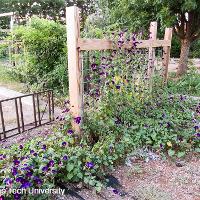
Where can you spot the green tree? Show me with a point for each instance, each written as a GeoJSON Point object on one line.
{"type": "Point", "coordinates": [45, 8]}
{"type": "Point", "coordinates": [183, 15]}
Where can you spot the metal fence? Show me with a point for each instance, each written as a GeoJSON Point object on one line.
{"type": "Point", "coordinates": [23, 113]}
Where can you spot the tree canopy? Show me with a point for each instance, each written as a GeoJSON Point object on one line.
{"type": "Point", "coordinates": [44, 8]}
{"type": "Point", "coordinates": [182, 15]}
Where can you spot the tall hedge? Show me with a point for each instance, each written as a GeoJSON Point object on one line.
{"type": "Point", "coordinates": [44, 62]}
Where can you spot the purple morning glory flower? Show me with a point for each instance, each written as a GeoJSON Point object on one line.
{"type": "Point", "coordinates": [22, 158]}
{"type": "Point", "coordinates": [44, 147]}
{"type": "Point", "coordinates": [118, 121]}
{"type": "Point", "coordinates": [54, 171]}
{"type": "Point", "coordinates": [118, 87]}
{"type": "Point", "coordinates": [17, 196]}
{"type": "Point", "coordinates": [65, 157]}
{"type": "Point", "coordinates": [32, 151]}
{"type": "Point", "coordinates": [2, 197]}
{"type": "Point", "coordinates": [198, 134]}
{"type": "Point", "coordinates": [20, 146]}
{"type": "Point", "coordinates": [45, 168]}
{"type": "Point", "coordinates": [35, 154]}
{"type": "Point", "coordinates": [94, 66]}
{"type": "Point", "coordinates": [26, 185]}
{"type": "Point", "coordinates": [19, 179]}
{"type": "Point", "coordinates": [180, 138]}
{"type": "Point", "coordinates": [64, 143]}
{"type": "Point", "coordinates": [196, 127]}
{"type": "Point", "coordinates": [161, 146]}
{"type": "Point", "coordinates": [1, 157]}
{"type": "Point", "coordinates": [115, 191]}
{"type": "Point", "coordinates": [38, 181]}
{"type": "Point", "coordinates": [194, 120]}
{"type": "Point", "coordinates": [8, 181]}
{"type": "Point", "coordinates": [29, 174]}
{"type": "Point", "coordinates": [51, 163]}
{"type": "Point", "coordinates": [89, 165]}
{"type": "Point", "coordinates": [182, 98]}
{"type": "Point", "coordinates": [168, 124]}
{"type": "Point", "coordinates": [70, 131]}
{"type": "Point", "coordinates": [16, 162]}
{"type": "Point", "coordinates": [77, 120]}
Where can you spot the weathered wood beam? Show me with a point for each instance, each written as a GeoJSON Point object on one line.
{"type": "Point", "coordinates": [6, 14]}
{"type": "Point", "coordinates": [74, 65]}
{"type": "Point", "coordinates": [153, 37]}
{"type": "Point", "coordinates": [166, 55]}
{"type": "Point", "coordinates": [104, 44]}
{"type": "Point", "coordinates": [5, 30]}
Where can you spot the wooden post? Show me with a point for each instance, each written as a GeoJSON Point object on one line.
{"type": "Point", "coordinates": [166, 54]}
{"type": "Point", "coordinates": [74, 66]}
{"type": "Point", "coordinates": [153, 36]}
{"type": "Point", "coordinates": [12, 51]}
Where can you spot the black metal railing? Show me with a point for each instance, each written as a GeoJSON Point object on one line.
{"type": "Point", "coordinates": [41, 108]}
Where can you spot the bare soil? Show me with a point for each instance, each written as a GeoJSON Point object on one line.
{"type": "Point", "coordinates": [155, 180]}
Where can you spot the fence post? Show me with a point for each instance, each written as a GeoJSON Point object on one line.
{"type": "Point", "coordinates": [151, 61]}
{"type": "Point", "coordinates": [74, 66]}
{"type": "Point", "coordinates": [166, 54]}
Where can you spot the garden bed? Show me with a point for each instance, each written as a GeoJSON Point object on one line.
{"type": "Point", "coordinates": [166, 124]}
{"type": "Point", "coordinates": [154, 180]}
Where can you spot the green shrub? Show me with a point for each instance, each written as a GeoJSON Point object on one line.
{"type": "Point", "coordinates": [176, 47]}
{"type": "Point", "coordinates": [189, 84]}
{"type": "Point", "coordinates": [195, 49]}
{"type": "Point", "coordinates": [44, 62]}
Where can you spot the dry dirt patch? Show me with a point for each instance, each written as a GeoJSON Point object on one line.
{"type": "Point", "coordinates": [155, 180]}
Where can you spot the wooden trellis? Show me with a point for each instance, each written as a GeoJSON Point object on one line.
{"type": "Point", "coordinates": [76, 44]}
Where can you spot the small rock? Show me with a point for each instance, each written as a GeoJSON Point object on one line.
{"type": "Point", "coordinates": [80, 185]}
{"type": "Point", "coordinates": [180, 163]}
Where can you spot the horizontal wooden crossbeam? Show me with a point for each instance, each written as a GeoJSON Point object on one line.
{"type": "Point", "coordinates": [4, 42]}
{"type": "Point", "coordinates": [10, 41]}
{"type": "Point", "coordinates": [103, 44]}
{"type": "Point", "coordinates": [5, 30]}
{"type": "Point", "coordinates": [6, 14]}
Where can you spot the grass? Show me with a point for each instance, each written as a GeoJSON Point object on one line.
{"type": "Point", "coordinates": [6, 79]}
{"type": "Point", "coordinates": [189, 84]}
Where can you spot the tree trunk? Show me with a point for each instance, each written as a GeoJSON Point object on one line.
{"type": "Point", "coordinates": [182, 66]}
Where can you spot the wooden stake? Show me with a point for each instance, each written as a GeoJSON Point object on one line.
{"type": "Point", "coordinates": [74, 66]}
{"type": "Point", "coordinates": [153, 36]}
{"type": "Point", "coordinates": [166, 54]}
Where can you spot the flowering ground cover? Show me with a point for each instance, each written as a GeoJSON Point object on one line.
{"type": "Point", "coordinates": [169, 124]}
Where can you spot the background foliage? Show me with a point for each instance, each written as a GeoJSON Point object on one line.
{"type": "Point", "coordinates": [44, 63]}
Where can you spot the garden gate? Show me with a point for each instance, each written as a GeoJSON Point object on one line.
{"type": "Point", "coordinates": [77, 45]}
